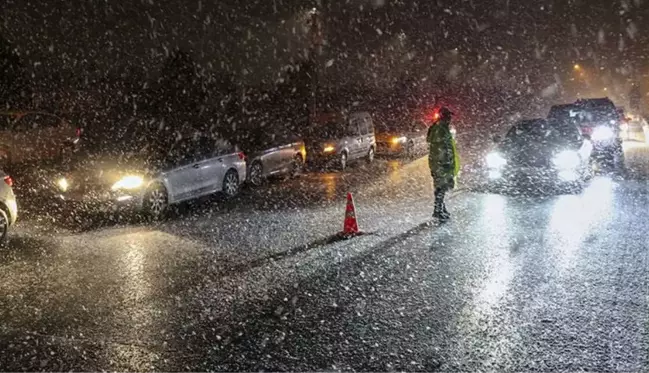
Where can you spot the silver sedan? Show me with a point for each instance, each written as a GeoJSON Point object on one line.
{"type": "Point", "coordinates": [276, 158]}
{"type": "Point", "coordinates": [191, 168]}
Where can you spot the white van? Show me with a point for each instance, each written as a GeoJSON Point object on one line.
{"type": "Point", "coordinates": [337, 140]}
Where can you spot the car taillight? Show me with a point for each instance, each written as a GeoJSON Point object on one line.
{"type": "Point", "coordinates": [241, 155]}
{"type": "Point", "coordinates": [9, 181]}
{"type": "Point", "coordinates": [78, 132]}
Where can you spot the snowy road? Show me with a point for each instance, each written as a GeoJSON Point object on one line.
{"type": "Point", "coordinates": [512, 283]}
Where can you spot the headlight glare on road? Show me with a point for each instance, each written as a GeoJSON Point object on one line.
{"type": "Point", "coordinates": [602, 134]}
{"type": "Point", "coordinates": [567, 160]}
{"type": "Point", "coordinates": [399, 140]}
{"type": "Point", "coordinates": [495, 160]}
{"type": "Point", "coordinates": [63, 184]}
{"type": "Point", "coordinates": [328, 149]}
{"type": "Point", "coordinates": [128, 182]}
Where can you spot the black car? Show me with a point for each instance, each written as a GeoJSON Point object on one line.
{"type": "Point", "coordinates": [538, 153]}
{"type": "Point", "coordinates": [599, 120]}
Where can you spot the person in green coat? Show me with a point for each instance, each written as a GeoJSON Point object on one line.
{"type": "Point", "coordinates": [443, 161]}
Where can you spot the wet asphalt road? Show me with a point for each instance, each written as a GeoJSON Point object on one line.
{"type": "Point", "coordinates": [533, 283]}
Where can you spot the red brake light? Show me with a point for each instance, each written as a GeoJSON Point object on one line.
{"type": "Point", "coordinates": [78, 132]}
{"type": "Point", "coordinates": [241, 155]}
{"type": "Point", "coordinates": [8, 180]}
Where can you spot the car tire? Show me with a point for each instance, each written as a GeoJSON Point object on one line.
{"type": "Point", "coordinates": [4, 228]}
{"type": "Point", "coordinates": [256, 172]}
{"type": "Point", "coordinates": [297, 166]}
{"type": "Point", "coordinates": [156, 201]}
{"type": "Point", "coordinates": [342, 161]}
{"type": "Point", "coordinates": [370, 155]}
{"type": "Point", "coordinates": [231, 184]}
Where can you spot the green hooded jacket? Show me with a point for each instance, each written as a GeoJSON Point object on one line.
{"type": "Point", "coordinates": [443, 158]}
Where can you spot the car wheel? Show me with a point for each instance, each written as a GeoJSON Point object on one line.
{"type": "Point", "coordinates": [342, 165]}
{"type": "Point", "coordinates": [256, 171]}
{"type": "Point", "coordinates": [156, 201]}
{"type": "Point", "coordinates": [231, 183]}
{"type": "Point", "coordinates": [370, 155]}
{"type": "Point", "coordinates": [4, 228]}
{"type": "Point", "coordinates": [297, 166]}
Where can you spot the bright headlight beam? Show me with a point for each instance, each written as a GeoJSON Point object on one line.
{"type": "Point", "coordinates": [399, 140]}
{"type": "Point", "coordinates": [63, 184]}
{"type": "Point", "coordinates": [602, 134]}
{"type": "Point", "coordinates": [567, 160]}
{"type": "Point", "coordinates": [329, 149]}
{"type": "Point", "coordinates": [128, 182]}
{"type": "Point", "coordinates": [495, 160]}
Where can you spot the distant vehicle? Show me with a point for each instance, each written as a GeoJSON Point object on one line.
{"type": "Point", "coordinates": [599, 120]}
{"type": "Point", "coordinates": [35, 137]}
{"type": "Point", "coordinates": [337, 140]}
{"type": "Point", "coordinates": [407, 137]}
{"type": "Point", "coordinates": [538, 153]}
{"type": "Point", "coordinates": [8, 207]}
{"type": "Point", "coordinates": [273, 157]}
{"type": "Point", "coordinates": [151, 178]}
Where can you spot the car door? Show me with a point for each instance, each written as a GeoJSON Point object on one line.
{"type": "Point", "coordinates": [209, 165]}
{"type": "Point", "coordinates": [273, 156]}
{"type": "Point", "coordinates": [288, 150]}
{"type": "Point", "coordinates": [354, 137]}
{"type": "Point", "coordinates": [370, 138]}
{"type": "Point", "coordinates": [184, 178]}
{"type": "Point", "coordinates": [215, 167]}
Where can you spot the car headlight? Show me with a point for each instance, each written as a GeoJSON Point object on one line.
{"type": "Point", "coordinates": [128, 182]}
{"type": "Point", "coordinates": [63, 184]}
{"type": "Point", "coordinates": [328, 149]}
{"type": "Point", "coordinates": [495, 160]}
{"type": "Point", "coordinates": [399, 140]}
{"type": "Point", "coordinates": [602, 134]}
{"type": "Point", "coordinates": [567, 160]}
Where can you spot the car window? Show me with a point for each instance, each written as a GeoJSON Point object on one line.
{"type": "Point", "coordinates": [354, 127]}
{"type": "Point", "coordinates": [369, 128]}
{"type": "Point", "coordinates": [35, 121]}
{"type": "Point", "coordinates": [222, 147]}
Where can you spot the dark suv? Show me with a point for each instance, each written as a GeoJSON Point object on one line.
{"type": "Point", "coordinates": [599, 120]}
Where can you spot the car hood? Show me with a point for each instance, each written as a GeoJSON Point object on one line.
{"type": "Point", "coordinates": [103, 172]}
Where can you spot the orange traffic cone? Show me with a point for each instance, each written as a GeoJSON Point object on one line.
{"type": "Point", "coordinates": [351, 225]}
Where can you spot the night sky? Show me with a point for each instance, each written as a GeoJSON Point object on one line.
{"type": "Point", "coordinates": [476, 39]}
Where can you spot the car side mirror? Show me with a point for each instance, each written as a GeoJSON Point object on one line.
{"type": "Point", "coordinates": [496, 138]}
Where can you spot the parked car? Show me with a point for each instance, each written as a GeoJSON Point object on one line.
{"type": "Point", "coordinates": [536, 153]}
{"type": "Point", "coordinates": [401, 137]}
{"type": "Point", "coordinates": [8, 207]}
{"type": "Point", "coordinates": [336, 140]}
{"type": "Point", "coordinates": [274, 155]}
{"type": "Point", "coordinates": [34, 137]}
{"type": "Point", "coordinates": [599, 120]}
{"type": "Point", "coordinates": [150, 178]}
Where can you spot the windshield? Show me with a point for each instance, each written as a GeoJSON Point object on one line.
{"type": "Point", "coordinates": [535, 132]}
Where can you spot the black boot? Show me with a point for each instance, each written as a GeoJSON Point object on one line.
{"type": "Point", "coordinates": [445, 213]}
{"type": "Point", "coordinates": [439, 211]}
